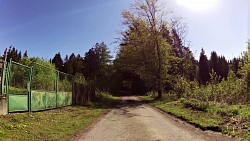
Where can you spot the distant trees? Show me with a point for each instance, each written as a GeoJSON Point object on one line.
{"type": "Point", "coordinates": [94, 66]}
{"type": "Point", "coordinates": [234, 65]}
{"type": "Point", "coordinates": [219, 65]}
{"type": "Point", "coordinates": [13, 53]}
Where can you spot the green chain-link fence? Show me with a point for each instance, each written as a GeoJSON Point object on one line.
{"type": "Point", "coordinates": [18, 90]}
{"type": "Point", "coordinates": [36, 88]}
{"type": "Point", "coordinates": [43, 95]}
{"type": "Point", "coordinates": [64, 92]}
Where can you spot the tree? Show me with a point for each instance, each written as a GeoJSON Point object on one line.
{"type": "Point", "coordinates": [203, 71]}
{"type": "Point", "coordinates": [143, 49]}
{"type": "Point", "coordinates": [78, 64]}
{"type": "Point", "coordinates": [184, 63]}
{"type": "Point", "coordinates": [25, 54]}
{"type": "Point", "coordinates": [70, 68]}
{"type": "Point", "coordinates": [97, 64]}
{"type": "Point", "coordinates": [65, 64]}
{"type": "Point", "coordinates": [223, 67]}
{"type": "Point", "coordinates": [57, 60]}
{"type": "Point", "coordinates": [245, 70]}
{"type": "Point", "coordinates": [234, 65]}
{"type": "Point", "coordinates": [214, 64]}
{"type": "Point", "coordinates": [12, 53]}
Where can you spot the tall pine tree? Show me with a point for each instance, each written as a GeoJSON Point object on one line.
{"type": "Point", "coordinates": [57, 60]}
{"type": "Point", "coordinates": [203, 71]}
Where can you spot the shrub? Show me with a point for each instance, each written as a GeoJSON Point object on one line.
{"type": "Point", "coordinates": [195, 104]}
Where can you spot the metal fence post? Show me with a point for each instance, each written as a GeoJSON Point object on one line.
{"type": "Point", "coordinates": [29, 89]}
{"type": "Point", "coordinates": [57, 88]}
{"type": "Point", "coordinates": [3, 90]}
{"type": "Point", "coordinates": [7, 84]}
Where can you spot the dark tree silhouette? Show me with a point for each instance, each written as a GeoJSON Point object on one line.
{"type": "Point", "coordinates": [57, 60]}
{"type": "Point", "coordinates": [203, 72]}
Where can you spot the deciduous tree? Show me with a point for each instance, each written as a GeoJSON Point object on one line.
{"type": "Point", "coordinates": [144, 51]}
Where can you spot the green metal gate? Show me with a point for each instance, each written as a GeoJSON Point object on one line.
{"type": "Point", "coordinates": [18, 86]}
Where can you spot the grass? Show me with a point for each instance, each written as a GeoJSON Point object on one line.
{"type": "Point", "coordinates": [233, 120]}
{"type": "Point", "coordinates": [57, 124]}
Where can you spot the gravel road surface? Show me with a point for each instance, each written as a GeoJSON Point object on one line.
{"type": "Point", "coordinates": [135, 121]}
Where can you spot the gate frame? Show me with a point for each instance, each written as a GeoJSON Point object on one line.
{"type": "Point", "coordinates": [9, 66]}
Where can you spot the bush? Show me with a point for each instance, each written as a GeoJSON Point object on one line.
{"type": "Point", "coordinates": [13, 90]}
{"type": "Point", "coordinates": [227, 111]}
{"type": "Point", "coordinates": [195, 104]}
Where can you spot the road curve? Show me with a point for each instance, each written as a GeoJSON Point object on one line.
{"type": "Point", "coordinates": [135, 121]}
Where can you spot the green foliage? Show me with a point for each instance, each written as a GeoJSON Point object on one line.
{"type": "Point", "coordinates": [14, 90]}
{"type": "Point", "coordinates": [44, 75]}
{"type": "Point", "coordinates": [180, 88]}
{"type": "Point", "coordinates": [79, 78]}
{"type": "Point", "coordinates": [97, 65]}
{"type": "Point", "coordinates": [65, 82]}
{"type": "Point", "coordinates": [195, 104]}
{"type": "Point", "coordinates": [143, 49]}
{"type": "Point", "coordinates": [231, 91]}
{"type": "Point", "coordinates": [196, 117]}
{"type": "Point", "coordinates": [19, 76]}
{"type": "Point", "coordinates": [228, 119]}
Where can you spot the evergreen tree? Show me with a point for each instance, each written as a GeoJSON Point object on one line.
{"type": "Point", "coordinates": [203, 71]}
{"type": "Point", "coordinates": [25, 54]}
{"type": "Point", "coordinates": [70, 67]}
{"type": "Point", "coordinates": [65, 64]}
{"type": "Point", "coordinates": [19, 56]}
{"type": "Point", "coordinates": [78, 65]}
{"type": "Point", "coordinates": [12, 52]}
{"type": "Point", "coordinates": [96, 65]}
{"type": "Point", "coordinates": [57, 60]}
{"type": "Point", "coordinates": [223, 67]}
{"type": "Point", "coordinates": [214, 64]}
{"type": "Point", "coordinates": [234, 65]}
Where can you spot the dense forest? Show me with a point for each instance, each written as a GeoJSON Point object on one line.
{"type": "Point", "coordinates": [152, 57]}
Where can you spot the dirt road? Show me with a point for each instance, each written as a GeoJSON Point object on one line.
{"type": "Point", "coordinates": [135, 121]}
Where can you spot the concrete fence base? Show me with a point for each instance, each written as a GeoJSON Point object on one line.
{"type": "Point", "coordinates": [3, 106]}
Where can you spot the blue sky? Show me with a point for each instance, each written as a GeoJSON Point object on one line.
{"type": "Point", "coordinates": [45, 27]}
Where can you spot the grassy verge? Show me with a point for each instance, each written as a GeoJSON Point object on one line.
{"type": "Point", "coordinates": [233, 120]}
{"type": "Point", "coordinates": [57, 124]}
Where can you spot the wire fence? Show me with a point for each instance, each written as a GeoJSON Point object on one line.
{"type": "Point", "coordinates": [36, 87]}
{"type": "Point", "coordinates": [18, 91]}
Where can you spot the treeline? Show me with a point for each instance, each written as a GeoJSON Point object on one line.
{"type": "Point", "coordinates": [218, 64]}
{"type": "Point", "coordinates": [94, 67]}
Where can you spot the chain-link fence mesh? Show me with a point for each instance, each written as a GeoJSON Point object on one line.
{"type": "Point", "coordinates": [35, 88]}
{"type": "Point", "coordinates": [64, 89]}
{"type": "Point", "coordinates": [43, 86]}
{"type": "Point", "coordinates": [18, 86]}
